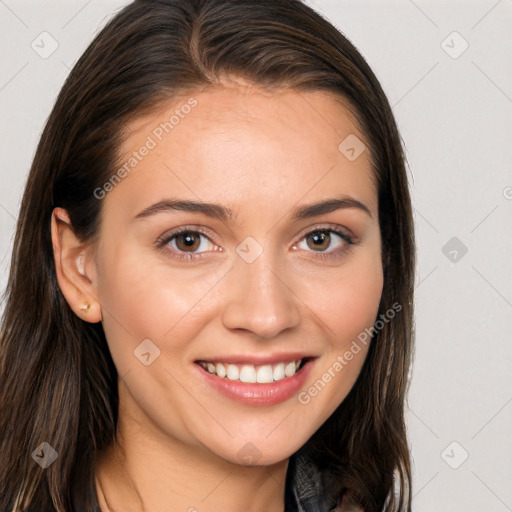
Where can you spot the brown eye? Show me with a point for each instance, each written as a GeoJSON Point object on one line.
{"type": "Point", "coordinates": [320, 240]}
{"type": "Point", "coordinates": [189, 241]}
{"type": "Point", "coordinates": [326, 243]}
{"type": "Point", "coordinates": [187, 244]}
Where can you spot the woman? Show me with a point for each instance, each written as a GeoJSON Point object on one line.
{"type": "Point", "coordinates": [210, 296]}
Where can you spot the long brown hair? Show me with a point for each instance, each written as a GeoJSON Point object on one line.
{"type": "Point", "coordinates": [58, 383]}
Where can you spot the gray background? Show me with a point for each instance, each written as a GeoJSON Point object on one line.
{"type": "Point", "coordinates": [454, 111]}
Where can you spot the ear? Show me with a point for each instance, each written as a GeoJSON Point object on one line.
{"type": "Point", "coordinates": [75, 268]}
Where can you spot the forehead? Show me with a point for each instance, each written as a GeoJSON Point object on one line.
{"type": "Point", "coordinates": [233, 105]}
{"type": "Point", "coordinates": [232, 141]}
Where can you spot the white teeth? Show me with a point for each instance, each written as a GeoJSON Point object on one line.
{"type": "Point", "coordinates": [279, 372]}
{"type": "Point", "coordinates": [264, 374]}
{"type": "Point", "coordinates": [221, 370]}
{"type": "Point", "coordinates": [249, 373]}
{"type": "Point", "coordinates": [232, 372]}
{"type": "Point", "coordinates": [289, 369]}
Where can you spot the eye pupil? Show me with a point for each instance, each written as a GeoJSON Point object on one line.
{"type": "Point", "coordinates": [189, 240]}
{"type": "Point", "coordinates": [320, 238]}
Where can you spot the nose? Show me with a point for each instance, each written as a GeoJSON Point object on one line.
{"type": "Point", "coordinates": [259, 299]}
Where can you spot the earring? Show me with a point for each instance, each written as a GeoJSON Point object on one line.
{"type": "Point", "coordinates": [84, 308]}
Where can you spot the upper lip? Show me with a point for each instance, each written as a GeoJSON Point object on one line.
{"type": "Point", "coordinates": [257, 360]}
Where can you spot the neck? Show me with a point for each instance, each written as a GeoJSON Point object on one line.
{"type": "Point", "coordinates": [143, 470]}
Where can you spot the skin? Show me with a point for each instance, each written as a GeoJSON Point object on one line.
{"type": "Point", "coordinates": [261, 154]}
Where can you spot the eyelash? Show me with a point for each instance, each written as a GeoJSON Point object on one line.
{"type": "Point", "coordinates": [161, 243]}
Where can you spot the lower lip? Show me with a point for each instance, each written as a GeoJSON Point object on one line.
{"type": "Point", "coordinates": [257, 394]}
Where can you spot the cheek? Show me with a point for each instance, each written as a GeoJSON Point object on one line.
{"type": "Point", "coordinates": [354, 308]}
{"type": "Point", "coordinates": [142, 301]}
{"type": "Point", "coordinates": [348, 309]}
{"type": "Point", "coordinates": [349, 302]}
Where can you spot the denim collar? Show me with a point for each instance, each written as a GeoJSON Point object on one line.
{"type": "Point", "coordinates": [307, 488]}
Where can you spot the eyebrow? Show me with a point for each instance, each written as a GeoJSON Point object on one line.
{"type": "Point", "coordinates": [223, 213]}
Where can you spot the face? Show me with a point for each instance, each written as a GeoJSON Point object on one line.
{"type": "Point", "coordinates": [258, 286]}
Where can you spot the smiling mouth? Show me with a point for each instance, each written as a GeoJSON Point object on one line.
{"type": "Point", "coordinates": [261, 374]}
